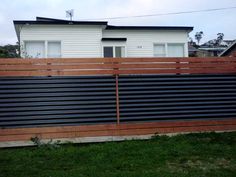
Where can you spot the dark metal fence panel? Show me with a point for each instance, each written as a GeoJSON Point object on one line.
{"type": "Point", "coordinates": [45, 101]}
{"type": "Point", "coordinates": [177, 97]}
{"type": "Point", "coordinates": [79, 100]}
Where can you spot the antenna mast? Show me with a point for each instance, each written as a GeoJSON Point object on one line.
{"type": "Point", "coordinates": [70, 14]}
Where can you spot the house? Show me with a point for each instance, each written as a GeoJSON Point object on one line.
{"type": "Point", "coordinates": [230, 51]}
{"type": "Point", "coordinates": [212, 48]}
{"type": "Point", "coordinates": [192, 50]}
{"type": "Point", "coordinates": [210, 51]}
{"type": "Point", "coordinates": [55, 38]}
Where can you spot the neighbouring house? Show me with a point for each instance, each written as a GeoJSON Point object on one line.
{"type": "Point", "coordinates": [230, 51]}
{"type": "Point", "coordinates": [211, 49]}
{"type": "Point", "coordinates": [55, 38]}
{"type": "Point", "coordinates": [192, 50]}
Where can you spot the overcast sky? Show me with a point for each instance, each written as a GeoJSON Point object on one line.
{"type": "Point", "coordinates": [210, 23]}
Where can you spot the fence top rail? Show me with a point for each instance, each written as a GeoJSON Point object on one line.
{"type": "Point", "coordinates": [113, 66]}
{"type": "Point", "coordinates": [120, 60]}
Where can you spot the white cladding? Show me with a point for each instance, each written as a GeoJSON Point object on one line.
{"type": "Point", "coordinates": [85, 40]}
{"type": "Point", "coordinates": [76, 40]}
{"type": "Point", "coordinates": [140, 43]}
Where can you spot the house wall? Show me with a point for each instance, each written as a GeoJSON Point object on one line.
{"type": "Point", "coordinates": [76, 41]}
{"type": "Point", "coordinates": [140, 42]}
{"type": "Point", "coordinates": [85, 40]}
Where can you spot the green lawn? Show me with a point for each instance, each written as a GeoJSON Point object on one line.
{"type": "Point", "coordinates": [193, 155]}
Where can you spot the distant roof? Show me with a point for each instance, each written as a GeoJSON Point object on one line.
{"type": "Point", "coordinates": [227, 50]}
{"type": "Point", "coordinates": [53, 21]}
{"type": "Point", "coordinates": [212, 48]}
{"type": "Point", "coordinates": [192, 48]}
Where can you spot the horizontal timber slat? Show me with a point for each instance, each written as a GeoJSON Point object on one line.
{"type": "Point", "coordinates": [18, 134]}
{"type": "Point", "coordinates": [115, 66]}
{"type": "Point", "coordinates": [98, 60]}
{"type": "Point", "coordinates": [111, 66]}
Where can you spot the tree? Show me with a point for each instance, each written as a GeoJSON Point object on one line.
{"type": "Point", "coordinates": [219, 39]}
{"type": "Point", "coordinates": [198, 36]}
{"type": "Point", "coordinates": [9, 51]}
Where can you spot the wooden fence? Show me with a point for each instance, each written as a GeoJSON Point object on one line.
{"type": "Point", "coordinates": [113, 66]}
{"type": "Point", "coordinates": [117, 97]}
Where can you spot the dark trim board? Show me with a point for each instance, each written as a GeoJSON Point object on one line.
{"type": "Point", "coordinates": [62, 22]}
{"type": "Point", "coordinates": [114, 39]}
{"type": "Point", "coordinates": [110, 27]}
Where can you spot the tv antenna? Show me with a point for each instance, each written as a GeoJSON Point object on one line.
{"type": "Point", "coordinates": [70, 14]}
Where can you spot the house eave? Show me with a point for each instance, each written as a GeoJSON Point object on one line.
{"type": "Point", "coordinates": [32, 22]}
{"type": "Point", "coordinates": [185, 28]}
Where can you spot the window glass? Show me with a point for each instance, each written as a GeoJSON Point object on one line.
{"type": "Point", "coordinates": [159, 50]}
{"type": "Point", "coordinates": [120, 52]}
{"type": "Point", "coordinates": [54, 49]}
{"type": "Point", "coordinates": [34, 49]}
{"type": "Point", "coordinates": [108, 51]}
{"type": "Point", "coordinates": [175, 50]}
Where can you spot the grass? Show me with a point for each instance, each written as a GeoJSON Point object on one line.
{"type": "Point", "coordinates": [194, 155]}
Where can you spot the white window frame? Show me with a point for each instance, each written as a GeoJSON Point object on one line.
{"type": "Point", "coordinates": [175, 43]}
{"type": "Point", "coordinates": [24, 47]}
{"type": "Point", "coordinates": [113, 48]}
{"type": "Point", "coordinates": [45, 46]}
{"type": "Point", "coordinates": [166, 47]}
{"type": "Point", "coordinates": [165, 44]}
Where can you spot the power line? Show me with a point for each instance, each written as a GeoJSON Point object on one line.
{"type": "Point", "coordinates": [163, 14]}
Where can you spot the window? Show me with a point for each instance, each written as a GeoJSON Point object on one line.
{"type": "Point", "coordinates": [114, 51]}
{"type": "Point", "coordinates": [34, 49]}
{"type": "Point", "coordinates": [108, 51]}
{"type": "Point", "coordinates": [168, 50]}
{"type": "Point", "coordinates": [119, 52]}
{"type": "Point", "coordinates": [159, 50]}
{"type": "Point", "coordinates": [54, 49]}
{"type": "Point", "coordinates": [175, 50]}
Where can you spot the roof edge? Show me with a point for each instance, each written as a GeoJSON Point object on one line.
{"type": "Point", "coordinates": [111, 27]}
{"type": "Point", "coordinates": [227, 49]}
{"type": "Point", "coordinates": [57, 22]}
{"type": "Point", "coordinates": [48, 19]}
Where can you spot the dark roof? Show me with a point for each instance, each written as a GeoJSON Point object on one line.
{"type": "Point", "coordinates": [229, 49]}
{"type": "Point", "coordinates": [110, 27]}
{"type": "Point", "coordinates": [48, 19]}
{"type": "Point", "coordinates": [114, 39]}
{"type": "Point", "coordinates": [52, 21]}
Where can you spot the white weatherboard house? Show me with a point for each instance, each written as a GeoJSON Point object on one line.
{"type": "Point", "coordinates": [55, 38]}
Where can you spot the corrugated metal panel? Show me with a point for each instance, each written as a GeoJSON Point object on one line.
{"type": "Point", "coordinates": [43, 101]}
{"type": "Point", "coordinates": [177, 97]}
{"type": "Point", "coordinates": [53, 101]}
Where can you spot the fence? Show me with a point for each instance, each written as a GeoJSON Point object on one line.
{"type": "Point", "coordinates": [69, 98]}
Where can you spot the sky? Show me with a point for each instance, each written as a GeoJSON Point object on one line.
{"type": "Point", "coordinates": [210, 23]}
